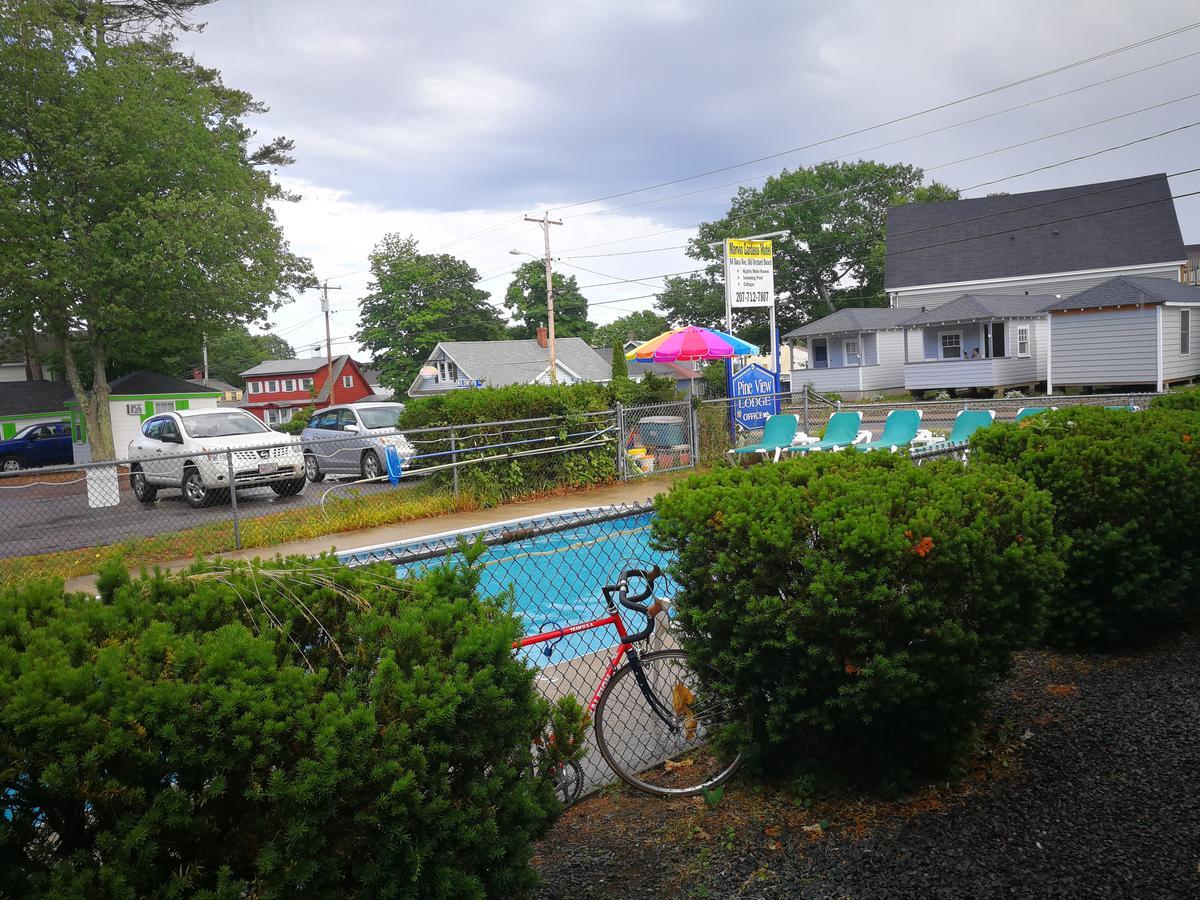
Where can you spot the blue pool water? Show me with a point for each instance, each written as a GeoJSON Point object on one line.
{"type": "Point", "coordinates": [557, 579]}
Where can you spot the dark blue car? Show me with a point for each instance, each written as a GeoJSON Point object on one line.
{"type": "Point", "coordinates": [37, 445]}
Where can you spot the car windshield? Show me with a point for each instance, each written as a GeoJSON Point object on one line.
{"type": "Point", "coordinates": [222, 424]}
{"type": "Point", "coordinates": [380, 416]}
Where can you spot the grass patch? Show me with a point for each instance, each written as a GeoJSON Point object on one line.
{"type": "Point", "coordinates": [339, 515]}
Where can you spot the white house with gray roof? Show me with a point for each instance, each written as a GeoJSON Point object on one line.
{"type": "Point", "coordinates": [454, 365]}
{"type": "Point", "coordinates": [855, 352]}
{"type": "Point", "coordinates": [1130, 330]}
{"type": "Point", "coordinates": [1058, 242]}
{"type": "Point", "coordinates": [991, 341]}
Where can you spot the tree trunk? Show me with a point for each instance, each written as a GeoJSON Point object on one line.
{"type": "Point", "coordinates": [92, 404]}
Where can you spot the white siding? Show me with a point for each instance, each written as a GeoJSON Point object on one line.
{"type": "Point", "coordinates": [889, 373]}
{"type": "Point", "coordinates": [125, 426]}
{"type": "Point", "coordinates": [1117, 347]}
{"type": "Point", "coordinates": [839, 379]}
{"type": "Point", "coordinates": [1178, 367]}
{"type": "Point", "coordinates": [1066, 285]}
{"type": "Point", "coordinates": [965, 373]}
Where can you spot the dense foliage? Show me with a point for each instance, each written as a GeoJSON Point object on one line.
{"type": "Point", "coordinates": [525, 299]}
{"type": "Point", "coordinates": [1126, 488]}
{"type": "Point", "coordinates": [295, 729]}
{"type": "Point", "coordinates": [620, 365]}
{"type": "Point", "coordinates": [298, 422]}
{"type": "Point", "coordinates": [1185, 399]}
{"type": "Point", "coordinates": [861, 605]}
{"type": "Point", "coordinates": [416, 301]}
{"type": "Point", "coordinates": [565, 407]}
{"type": "Point", "coordinates": [636, 326]}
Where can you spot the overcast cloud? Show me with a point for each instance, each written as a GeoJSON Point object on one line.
{"type": "Point", "coordinates": [445, 120]}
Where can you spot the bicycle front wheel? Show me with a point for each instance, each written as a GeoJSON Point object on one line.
{"type": "Point", "coordinates": [656, 720]}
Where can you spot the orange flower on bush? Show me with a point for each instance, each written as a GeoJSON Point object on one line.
{"type": "Point", "coordinates": [1020, 538]}
{"type": "Point", "coordinates": [923, 547]}
{"type": "Point", "coordinates": [908, 534]}
{"type": "Point", "coordinates": [850, 668]}
{"type": "Point", "coordinates": [1187, 438]}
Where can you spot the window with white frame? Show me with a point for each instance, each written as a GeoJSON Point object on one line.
{"type": "Point", "coordinates": [951, 344]}
{"type": "Point", "coordinates": [254, 387]}
{"type": "Point", "coordinates": [272, 387]}
{"type": "Point", "coordinates": [820, 353]}
{"type": "Point", "coordinates": [289, 384]}
{"type": "Point", "coordinates": [850, 349]}
{"type": "Point", "coordinates": [306, 384]}
{"type": "Point", "coordinates": [161, 406]}
{"type": "Point", "coordinates": [1023, 340]}
{"type": "Point", "coordinates": [1185, 332]}
{"type": "Point", "coordinates": [348, 381]}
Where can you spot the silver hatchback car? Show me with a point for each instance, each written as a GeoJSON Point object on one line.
{"type": "Point", "coordinates": [352, 439]}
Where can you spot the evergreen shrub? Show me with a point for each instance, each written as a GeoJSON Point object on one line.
{"type": "Point", "coordinates": [295, 729]}
{"type": "Point", "coordinates": [861, 605]}
{"type": "Point", "coordinates": [1126, 489]}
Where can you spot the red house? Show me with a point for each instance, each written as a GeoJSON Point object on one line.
{"type": "Point", "coordinates": [275, 389]}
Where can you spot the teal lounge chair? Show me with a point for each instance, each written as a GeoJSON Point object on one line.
{"type": "Point", "coordinates": [1026, 411]}
{"type": "Point", "coordinates": [777, 436]}
{"type": "Point", "coordinates": [966, 423]}
{"type": "Point", "coordinates": [898, 431]}
{"type": "Point", "coordinates": [841, 431]}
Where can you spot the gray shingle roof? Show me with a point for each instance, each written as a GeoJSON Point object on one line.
{"type": "Point", "coordinates": [290, 366]}
{"type": "Point", "coordinates": [972, 307]}
{"type": "Point", "coordinates": [497, 363]}
{"type": "Point", "coordinates": [871, 318]}
{"type": "Point", "coordinates": [1090, 226]}
{"type": "Point", "coordinates": [214, 384]}
{"type": "Point", "coordinates": [19, 398]}
{"type": "Point", "coordinates": [1125, 290]}
{"type": "Point", "coordinates": [156, 383]}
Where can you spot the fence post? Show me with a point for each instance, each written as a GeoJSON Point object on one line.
{"type": "Point", "coordinates": [620, 440]}
{"type": "Point", "coordinates": [839, 405]}
{"type": "Point", "coordinates": [454, 461]}
{"type": "Point", "coordinates": [237, 528]}
{"type": "Point", "coordinates": [805, 428]}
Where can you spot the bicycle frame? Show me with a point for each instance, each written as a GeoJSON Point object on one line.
{"type": "Point", "coordinates": [625, 648]}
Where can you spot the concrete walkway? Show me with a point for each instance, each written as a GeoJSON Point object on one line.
{"type": "Point", "coordinates": [641, 491]}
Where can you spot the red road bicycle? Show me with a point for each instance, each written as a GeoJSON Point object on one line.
{"type": "Point", "coordinates": [656, 717]}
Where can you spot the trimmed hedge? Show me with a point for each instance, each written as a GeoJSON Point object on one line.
{"type": "Point", "coordinates": [1185, 399]}
{"type": "Point", "coordinates": [861, 605]}
{"type": "Point", "coordinates": [295, 729]}
{"type": "Point", "coordinates": [1126, 489]}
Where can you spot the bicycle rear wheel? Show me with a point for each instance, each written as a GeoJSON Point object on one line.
{"type": "Point", "coordinates": [666, 751]}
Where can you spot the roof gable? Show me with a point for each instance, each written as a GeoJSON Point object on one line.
{"type": "Point", "coordinates": [499, 363]}
{"type": "Point", "coordinates": [305, 366]}
{"type": "Point", "coordinates": [25, 397]}
{"type": "Point", "coordinates": [973, 307]}
{"type": "Point", "coordinates": [1129, 290]}
{"type": "Point", "coordinates": [854, 318]}
{"type": "Point", "coordinates": [1085, 227]}
{"type": "Point", "coordinates": [145, 382]}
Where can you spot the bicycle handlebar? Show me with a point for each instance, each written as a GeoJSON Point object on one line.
{"type": "Point", "coordinates": [634, 602]}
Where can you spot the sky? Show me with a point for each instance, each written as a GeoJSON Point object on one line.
{"type": "Point", "coordinates": [452, 121]}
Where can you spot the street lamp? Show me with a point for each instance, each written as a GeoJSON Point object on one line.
{"type": "Point", "coordinates": [549, 306]}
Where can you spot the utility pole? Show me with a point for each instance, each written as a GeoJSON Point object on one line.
{"type": "Point", "coordinates": [325, 289]}
{"type": "Point", "coordinates": [204, 353]}
{"type": "Point", "coordinates": [545, 221]}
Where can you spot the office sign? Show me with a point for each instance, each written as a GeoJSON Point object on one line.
{"type": "Point", "coordinates": [754, 391]}
{"type": "Point", "coordinates": [749, 274]}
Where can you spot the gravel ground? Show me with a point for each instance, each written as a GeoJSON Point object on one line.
{"type": "Point", "coordinates": [1097, 794]}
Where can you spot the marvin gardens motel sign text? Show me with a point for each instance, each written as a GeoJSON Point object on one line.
{"type": "Point", "coordinates": [749, 274]}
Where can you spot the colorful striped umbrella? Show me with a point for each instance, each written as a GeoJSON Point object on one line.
{"type": "Point", "coordinates": [690, 343]}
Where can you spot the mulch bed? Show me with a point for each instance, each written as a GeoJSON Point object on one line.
{"type": "Point", "coordinates": [1088, 785]}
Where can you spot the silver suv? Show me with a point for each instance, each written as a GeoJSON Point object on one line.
{"type": "Point", "coordinates": [352, 440]}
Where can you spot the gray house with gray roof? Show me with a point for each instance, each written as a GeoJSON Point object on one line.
{"type": "Point", "coordinates": [1130, 330]}
{"type": "Point", "coordinates": [454, 365]}
{"type": "Point", "coordinates": [856, 352]}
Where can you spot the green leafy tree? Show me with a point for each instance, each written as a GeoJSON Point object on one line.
{"type": "Point", "coordinates": [836, 213]}
{"type": "Point", "coordinates": [416, 301]}
{"type": "Point", "coordinates": [526, 301]}
{"type": "Point", "coordinates": [620, 365]}
{"type": "Point", "coordinates": [133, 207]}
{"type": "Point", "coordinates": [638, 326]}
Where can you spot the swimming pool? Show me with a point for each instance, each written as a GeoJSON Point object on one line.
{"type": "Point", "coordinates": [556, 566]}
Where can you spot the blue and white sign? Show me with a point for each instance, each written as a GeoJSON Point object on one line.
{"type": "Point", "coordinates": [754, 391]}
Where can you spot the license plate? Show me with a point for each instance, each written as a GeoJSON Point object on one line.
{"type": "Point", "coordinates": [268, 468]}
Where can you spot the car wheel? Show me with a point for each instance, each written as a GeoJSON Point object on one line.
{"type": "Point", "coordinates": [195, 492]}
{"type": "Point", "coordinates": [142, 489]}
{"type": "Point", "coordinates": [289, 488]}
{"type": "Point", "coordinates": [11, 464]}
{"type": "Point", "coordinates": [371, 466]}
{"type": "Point", "coordinates": [312, 471]}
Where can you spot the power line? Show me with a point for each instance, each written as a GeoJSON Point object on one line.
{"type": "Point", "coordinates": [1026, 80]}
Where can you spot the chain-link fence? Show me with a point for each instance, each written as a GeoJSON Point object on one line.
{"type": "Point", "coordinates": [554, 569]}
{"type": "Point", "coordinates": [180, 495]}
{"type": "Point", "coordinates": [813, 410]}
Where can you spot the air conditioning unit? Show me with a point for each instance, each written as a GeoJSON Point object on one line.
{"type": "Point", "coordinates": [135, 409]}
